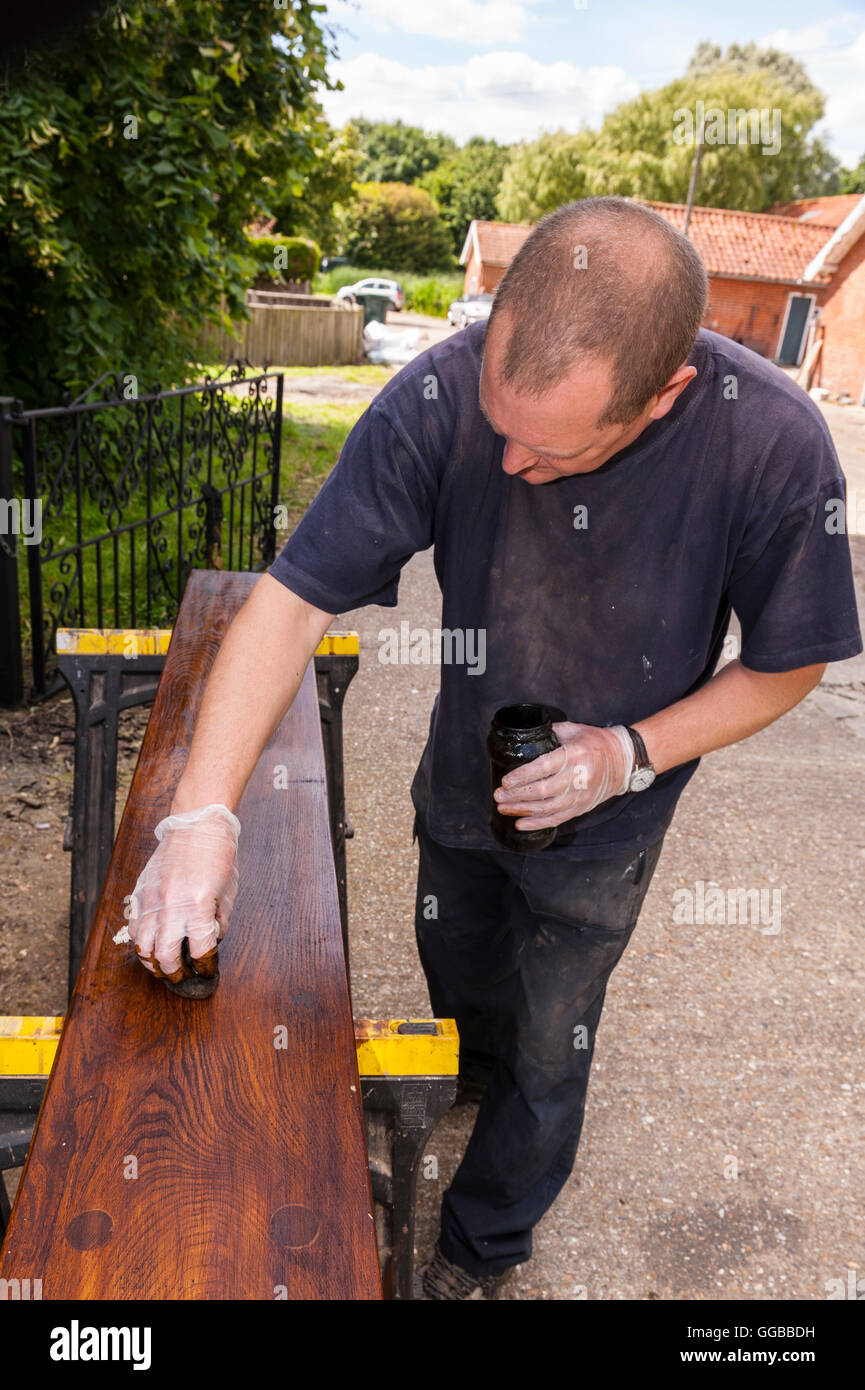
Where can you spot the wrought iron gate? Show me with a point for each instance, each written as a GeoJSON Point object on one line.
{"type": "Point", "coordinates": [108, 503]}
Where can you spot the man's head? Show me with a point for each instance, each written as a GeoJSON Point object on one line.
{"type": "Point", "coordinates": [589, 336]}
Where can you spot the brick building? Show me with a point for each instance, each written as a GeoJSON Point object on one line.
{"type": "Point", "coordinates": [487, 252]}
{"type": "Point", "coordinates": [789, 283]}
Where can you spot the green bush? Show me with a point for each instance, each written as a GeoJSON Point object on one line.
{"type": "Point", "coordinates": [129, 156]}
{"type": "Point", "coordinates": [425, 294]}
{"type": "Point", "coordinates": [396, 223]}
{"type": "Point", "coordinates": [432, 294]}
{"type": "Point", "coordinates": [281, 258]}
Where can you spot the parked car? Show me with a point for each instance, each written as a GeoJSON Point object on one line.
{"type": "Point", "coordinates": [469, 308]}
{"type": "Point", "coordinates": [391, 288]}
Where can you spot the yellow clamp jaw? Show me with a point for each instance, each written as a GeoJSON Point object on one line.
{"type": "Point", "coordinates": [407, 1047]}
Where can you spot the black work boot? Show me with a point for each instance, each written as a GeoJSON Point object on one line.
{"type": "Point", "coordinates": [444, 1280]}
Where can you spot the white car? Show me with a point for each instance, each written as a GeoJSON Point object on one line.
{"type": "Point", "coordinates": [392, 289]}
{"type": "Point", "coordinates": [469, 308]}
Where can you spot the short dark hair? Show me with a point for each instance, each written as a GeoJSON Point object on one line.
{"type": "Point", "coordinates": [602, 278]}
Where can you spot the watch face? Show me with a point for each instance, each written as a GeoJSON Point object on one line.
{"type": "Point", "coordinates": [642, 778]}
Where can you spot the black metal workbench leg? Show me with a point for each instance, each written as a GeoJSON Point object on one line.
{"type": "Point", "coordinates": [333, 674]}
{"type": "Point", "coordinates": [401, 1114]}
{"type": "Point", "coordinates": [102, 686]}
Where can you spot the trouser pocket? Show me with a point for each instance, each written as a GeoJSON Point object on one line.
{"type": "Point", "coordinates": [605, 894]}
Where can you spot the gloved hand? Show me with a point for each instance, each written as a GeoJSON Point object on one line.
{"type": "Point", "coordinates": [592, 765]}
{"type": "Point", "coordinates": [186, 889]}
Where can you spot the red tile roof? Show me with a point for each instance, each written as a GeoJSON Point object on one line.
{"type": "Point", "coordinates": [747, 245]}
{"type": "Point", "coordinates": [761, 245]}
{"type": "Point", "coordinates": [262, 226]}
{"type": "Point", "coordinates": [758, 245]}
{"type": "Point", "coordinates": [499, 242]}
{"type": "Point", "coordinates": [830, 212]}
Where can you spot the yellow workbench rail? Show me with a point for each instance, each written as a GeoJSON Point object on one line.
{"type": "Point", "coordinates": [153, 641]}
{"type": "Point", "coordinates": [28, 1045]}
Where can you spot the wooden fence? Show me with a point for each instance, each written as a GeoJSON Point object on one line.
{"type": "Point", "coordinates": [290, 335]}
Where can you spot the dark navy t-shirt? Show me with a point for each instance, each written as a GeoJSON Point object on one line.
{"type": "Point", "coordinates": [720, 505]}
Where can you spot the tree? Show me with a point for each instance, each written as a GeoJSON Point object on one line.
{"type": "Point", "coordinates": [130, 162]}
{"type": "Point", "coordinates": [754, 100]}
{"type": "Point", "coordinates": [392, 152]}
{"type": "Point", "coordinates": [392, 225]}
{"type": "Point", "coordinates": [709, 58]}
{"type": "Point", "coordinates": [466, 185]}
{"type": "Point", "coordinates": [307, 204]}
{"type": "Point", "coordinates": [853, 180]}
{"type": "Point", "coordinates": [542, 175]}
{"type": "Point", "coordinates": [817, 172]}
{"type": "Point", "coordinates": [646, 146]}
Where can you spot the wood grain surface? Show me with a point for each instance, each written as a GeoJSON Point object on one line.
{"type": "Point", "coordinates": [252, 1178]}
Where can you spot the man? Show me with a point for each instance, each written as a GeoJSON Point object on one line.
{"type": "Point", "coordinates": [603, 483]}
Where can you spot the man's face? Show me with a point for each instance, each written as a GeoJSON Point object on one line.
{"type": "Point", "coordinates": [558, 434]}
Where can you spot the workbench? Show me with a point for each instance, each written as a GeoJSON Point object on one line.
{"type": "Point", "coordinates": [209, 1149]}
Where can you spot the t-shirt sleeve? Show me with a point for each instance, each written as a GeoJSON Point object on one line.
{"type": "Point", "coordinates": [791, 584]}
{"type": "Point", "coordinates": [375, 510]}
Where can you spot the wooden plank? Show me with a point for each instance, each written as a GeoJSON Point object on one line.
{"type": "Point", "coordinates": [808, 367]}
{"type": "Point", "coordinates": [252, 1180]}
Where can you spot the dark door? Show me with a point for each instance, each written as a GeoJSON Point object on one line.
{"type": "Point", "coordinates": [797, 319]}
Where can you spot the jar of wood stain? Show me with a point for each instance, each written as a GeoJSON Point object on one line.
{"type": "Point", "coordinates": [518, 735]}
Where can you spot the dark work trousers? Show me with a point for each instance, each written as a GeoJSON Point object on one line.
{"type": "Point", "coordinates": [518, 948]}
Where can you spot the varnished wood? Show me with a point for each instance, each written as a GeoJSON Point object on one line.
{"type": "Point", "coordinates": [252, 1180]}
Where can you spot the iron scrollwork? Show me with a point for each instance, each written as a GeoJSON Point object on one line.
{"type": "Point", "coordinates": [139, 489]}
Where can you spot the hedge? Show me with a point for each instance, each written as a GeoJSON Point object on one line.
{"type": "Point", "coordinates": [281, 258]}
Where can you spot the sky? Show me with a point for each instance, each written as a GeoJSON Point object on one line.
{"type": "Point", "coordinates": [509, 69]}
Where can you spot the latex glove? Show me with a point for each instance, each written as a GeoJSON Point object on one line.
{"type": "Point", "coordinates": [592, 765]}
{"type": "Point", "coordinates": [186, 889]}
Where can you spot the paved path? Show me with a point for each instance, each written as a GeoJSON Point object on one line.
{"type": "Point", "coordinates": [432, 330]}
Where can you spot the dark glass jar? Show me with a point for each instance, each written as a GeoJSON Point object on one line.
{"type": "Point", "coordinates": [518, 735]}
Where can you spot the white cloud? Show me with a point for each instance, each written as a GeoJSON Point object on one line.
{"type": "Point", "coordinates": [506, 95]}
{"type": "Point", "coordinates": [834, 56]}
{"type": "Point", "coordinates": [458, 21]}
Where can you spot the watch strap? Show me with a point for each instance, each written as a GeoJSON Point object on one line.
{"type": "Point", "coordinates": [642, 758]}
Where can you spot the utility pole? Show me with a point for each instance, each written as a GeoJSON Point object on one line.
{"type": "Point", "coordinates": [695, 170]}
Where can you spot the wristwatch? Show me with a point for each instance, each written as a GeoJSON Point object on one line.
{"type": "Point", "coordinates": [642, 773]}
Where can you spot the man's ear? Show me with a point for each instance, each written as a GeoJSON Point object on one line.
{"type": "Point", "coordinates": [674, 388]}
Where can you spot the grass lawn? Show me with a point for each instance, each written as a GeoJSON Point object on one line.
{"type": "Point", "coordinates": [374, 374]}
{"type": "Point", "coordinates": [366, 374]}
{"type": "Point", "coordinates": [312, 436]}
{"type": "Point", "coordinates": [314, 432]}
